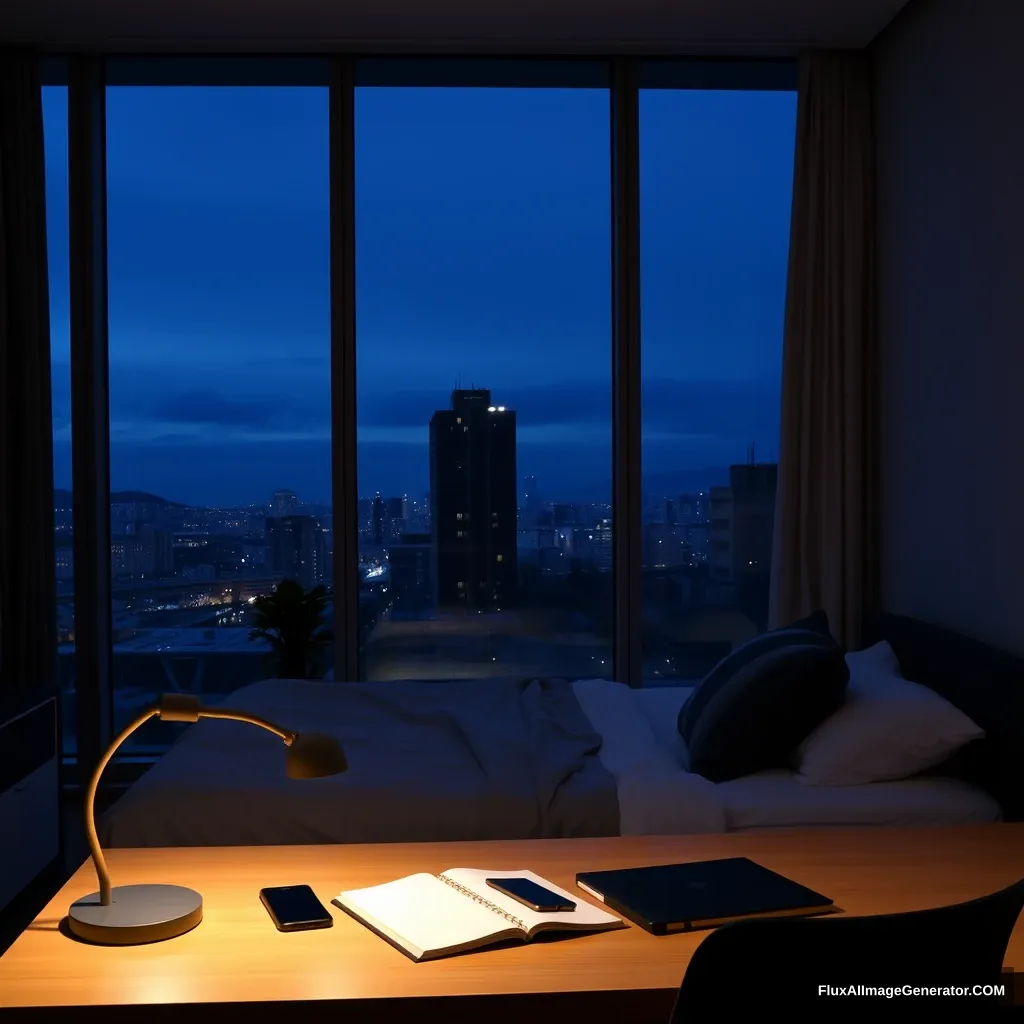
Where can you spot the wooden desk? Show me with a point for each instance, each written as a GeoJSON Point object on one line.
{"type": "Point", "coordinates": [235, 958]}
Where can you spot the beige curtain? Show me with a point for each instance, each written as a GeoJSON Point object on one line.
{"type": "Point", "coordinates": [826, 534]}
{"type": "Point", "coordinates": [28, 652]}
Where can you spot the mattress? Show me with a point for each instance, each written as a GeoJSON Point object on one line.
{"type": "Point", "coordinates": [479, 761]}
{"type": "Point", "coordinates": [777, 799]}
{"type": "Point", "coordinates": [427, 762]}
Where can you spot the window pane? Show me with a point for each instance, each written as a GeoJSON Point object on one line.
{"type": "Point", "coordinates": [483, 278]}
{"type": "Point", "coordinates": [55, 138]}
{"type": "Point", "coordinates": [219, 378]}
{"type": "Point", "coordinates": [716, 180]}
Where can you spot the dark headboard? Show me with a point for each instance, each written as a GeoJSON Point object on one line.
{"type": "Point", "coordinates": [986, 684]}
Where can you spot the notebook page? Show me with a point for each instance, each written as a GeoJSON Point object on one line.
{"type": "Point", "coordinates": [584, 916]}
{"type": "Point", "coordinates": [423, 913]}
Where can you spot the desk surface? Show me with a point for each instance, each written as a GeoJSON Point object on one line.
{"type": "Point", "coordinates": [236, 956]}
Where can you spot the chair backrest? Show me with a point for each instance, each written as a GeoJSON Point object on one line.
{"type": "Point", "coordinates": [783, 961]}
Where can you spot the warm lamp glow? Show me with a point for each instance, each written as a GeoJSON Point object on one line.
{"type": "Point", "coordinates": [131, 914]}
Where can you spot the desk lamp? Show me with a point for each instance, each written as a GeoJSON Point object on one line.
{"type": "Point", "coordinates": [128, 915]}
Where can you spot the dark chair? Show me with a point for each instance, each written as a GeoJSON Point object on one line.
{"type": "Point", "coordinates": [781, 962]}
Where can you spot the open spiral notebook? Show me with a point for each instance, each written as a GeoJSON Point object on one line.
{"type": "Point", "coordinates": [430, 916]}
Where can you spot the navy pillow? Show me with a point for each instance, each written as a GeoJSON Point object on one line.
{"type": "Point", "coordinates": [796, 634]}
{"type": "Point", "coordinates": [765, 709]}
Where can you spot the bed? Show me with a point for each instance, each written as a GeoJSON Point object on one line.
{"type": "Point", "coordinates": [501, 759]}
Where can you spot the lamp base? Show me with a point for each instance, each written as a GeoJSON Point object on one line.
{"type": "Point", "coordinates": [136, 914]}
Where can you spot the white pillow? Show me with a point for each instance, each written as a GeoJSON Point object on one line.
{"type": "Point", "coordinates": [888, 727]}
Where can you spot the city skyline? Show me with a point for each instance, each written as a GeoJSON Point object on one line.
{"type": "Point", "coordinates": [497, 248]}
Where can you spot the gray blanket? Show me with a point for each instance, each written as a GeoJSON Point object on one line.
{"type": "Point", "coordinates": [491, 759]}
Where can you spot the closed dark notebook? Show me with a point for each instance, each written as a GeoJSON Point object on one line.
{"type": "Point", "coordinates": [702, 894]}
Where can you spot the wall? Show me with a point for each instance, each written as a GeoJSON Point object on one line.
{"type": "Point", "coordinates": [950, 119]}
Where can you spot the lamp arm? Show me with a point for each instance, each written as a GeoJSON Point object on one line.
{"type": "Point", "coordinates": [173, 707]}
{"type": "Point", "coordinates": [95, 850]}
{"type": "Point", "coordinates": [287, 735]}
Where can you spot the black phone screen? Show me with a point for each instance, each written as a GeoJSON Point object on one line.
{"type": "Point", "coordinates": [531, 895]}
{"type": "Point", "coordinates": [295, 907]}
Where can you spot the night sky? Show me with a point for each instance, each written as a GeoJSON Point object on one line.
{"type": "Point", "coordinates": [483, 257]}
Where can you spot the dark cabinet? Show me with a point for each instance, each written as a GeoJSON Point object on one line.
{"type": "Point", "coordinates": [29, 794]}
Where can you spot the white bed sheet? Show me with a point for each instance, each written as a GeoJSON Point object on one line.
{"type": "Point", "coordinates": [656, 796]}
{"type": "Point", "coordinates": [660, 705]}
{"type": "Point", "coordinates": [777, 799]}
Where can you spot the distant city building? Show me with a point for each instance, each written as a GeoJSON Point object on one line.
{"type": "Point", "coordinates": [410, 562]}
{"type": "Point", "coordinates": [255, 558]}
{"type": "Point", "coordinates": [691, 508]}
{"type": "Point", "coordinates": [564, 515]}
{"type": "Point", "coordinates": [125, 515]}
{"type": "Point", "coordinates": [396, 516]}
{"type": "Point", "coordinates": [417, 515]}
{"type": "Point", "coordinates": [742, 528]}
{"type": "Point", "coordinates": [161, 543]}
{"type": "Point", "coordinates": [531, 502]}
{"type": "Point", "coordinates": [283, 503]}
{"type": "Point", "coordinates": [665, 546]}
{"type": "Point", "coordinates": [378, 517]}
{"type": "Point", "coordinates": [143, 552]}
{"type": "Point", "coordinates": [593, 544]}
{"type": "Point", "coordinates": [364, 512]}
{"type": "Point", "coordinates": [473, 495]}
{"type": "Point", "coordinates": [296, 548]}
{"type": "Point", "coordinates": [65, 558]}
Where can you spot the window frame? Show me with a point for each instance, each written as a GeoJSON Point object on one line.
{"type": "Point", "coordinates": [87, 76]}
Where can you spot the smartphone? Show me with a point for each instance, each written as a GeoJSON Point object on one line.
{"type": "Point", "coordinates": [532, 895]}
{"type": "Point", "coordinates": [294, 908]}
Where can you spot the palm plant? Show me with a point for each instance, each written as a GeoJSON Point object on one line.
{"type": "Point", "coordinates": [293, 621]}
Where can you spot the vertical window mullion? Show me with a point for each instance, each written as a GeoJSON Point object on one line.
{"type": "Point", "coordinates": [344, 475]}
{"type": "Point", "coordinates": [90, 451]}
{"type": "Point", "coordinates": [627, 535]}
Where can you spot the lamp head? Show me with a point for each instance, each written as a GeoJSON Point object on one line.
{"type": "Point", "coordinates": [314, 755]}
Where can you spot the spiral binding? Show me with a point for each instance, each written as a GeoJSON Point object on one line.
{"type": "Point", "coordinates": [477, 898]}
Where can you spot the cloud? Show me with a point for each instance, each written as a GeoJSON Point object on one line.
{"type": "Point", "coordinates": [159, 401]}
{"type": "Point", "coordinates": [209, 408]}
{"type": "Point", "coordinates": [164, 407]}
{"type": "Point", "coordinates": [677, 407]}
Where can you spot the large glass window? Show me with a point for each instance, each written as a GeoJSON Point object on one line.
{"type": "Point", "coordinates": [716, 181]}
{"type": "Point", "coordinates": [219, 299]}
{"type": "Point", "coordinates": [483, 324]}
{"type": "Point", "coordinates": [55, 139]}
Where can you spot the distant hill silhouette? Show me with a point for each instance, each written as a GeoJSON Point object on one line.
{"type": "Point", "coordinates": [62, 498]}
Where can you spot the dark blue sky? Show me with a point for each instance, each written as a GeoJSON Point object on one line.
{"type": "Point", "coordinates": [483, 248]}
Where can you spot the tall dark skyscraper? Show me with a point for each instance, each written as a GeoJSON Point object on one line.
{"type": "Point", "coordinates": [473, 502]}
